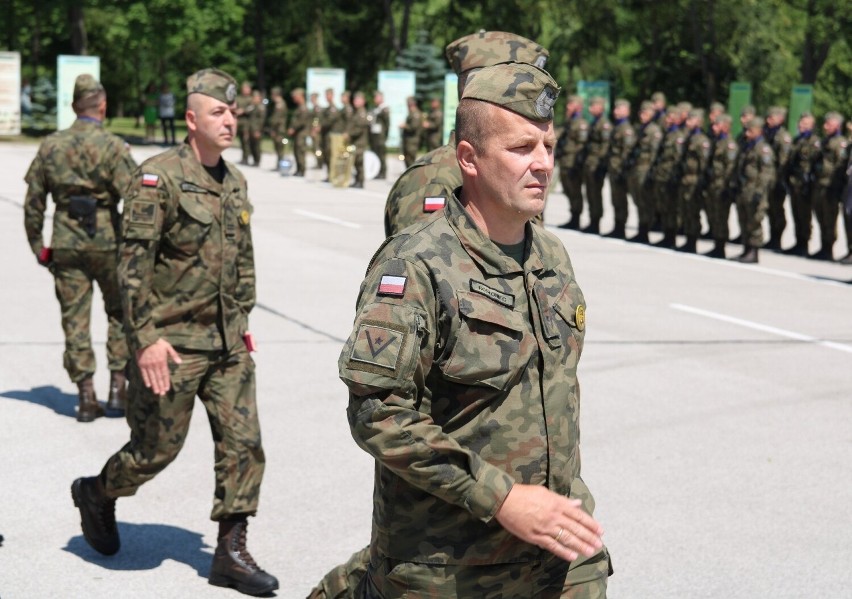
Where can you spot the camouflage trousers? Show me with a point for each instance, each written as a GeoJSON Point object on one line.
{"type": "Point", "coordinates": [642, 197]}
{"type": "Point", "coordinates": [619, 200]}
{"type": "Point", "coordinates": [801, 201]}
{"type": "Point", "coordinates": [689, 209]}
{"type": "Point", "coordinates": [409, 151]}
{"type": "Point", "coordinates": [278, 144]}
{"type": "Point", "coordinates": [826, 208]}
{"type": "Point", "coordinates": [300, 148]}
{"type": "Point", "coordinates": [225, 384]}
{"type": "Point", "coordinates": [665, 201]}
{"type": "Point", "coordinates": [718, 211]}
{"type": "Point", "coordinates": [777, 217]}
{"type": "Point", "coordinates": [549, 578]}
{"type": "Point", "coordinates": [377, 145]}
{"type": "Point", "coordinates": [73, 277]}
{"type": "Point", "coordinates": [254, 146]}
{"type": "Point", "coordinates": [359, 165]}
{"type": "Point", "coordinates": [751, 208]}
{"type": "Point", "coordinates": [594, 192]}
{"type": "Point", "coordinates": [572, 186]}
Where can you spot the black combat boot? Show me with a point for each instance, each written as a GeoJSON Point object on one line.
{"type": "Point", "coordinates": [749, 256]}
{"type": "Point", "coordinates": [718, 251]}
{"type": "Point", "coordinates": [89, 408]}
{"type": "Point", "coordinates": [641, 236]}
{"type": "Point", "coordinates": [617, 232]}
{"type": "Point", "coordinates": [233, 566]}
{"type": "Point", "coordinates": [97, 514]}
{"type": "Point", "coordinates": [774, 243]}
{"type": "Point", "coordinates": [690, 245]}
{"type": "Point", "coordinates": [667, 242]}
{"type": "Point", "coordinates": [117, 402]}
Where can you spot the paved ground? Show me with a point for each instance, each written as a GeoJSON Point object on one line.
{"type": "Point", "coordinates": [716, 411]}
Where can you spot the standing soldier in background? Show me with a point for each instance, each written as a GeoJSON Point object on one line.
{"type": "Point", "coordinates": [316, 130]}
{"type": "Point", "coordinates": [276, 125]}
{"type": "Point", "coordinates": [570, 154]}
{"type": "Point", "coordinates": [411, 132]}
{"type": "Point", "coordinates": [594, 169]}
{"type": "Point", "coordinates": [328, 118]}
{"type": "Point", "coordinates": [256, 119]}
{"type": "Point", "coordinates": [659, 101]}
{"type": "Point", "coordinates": [719, 173]}
{"type": "Point", "coordinates": [300, 128]}
{"type": "Point", "coordinates": [800, 179]}
{"type": "Point", "coordinates": [357, 134]}
{"type": "Point", "coordinates": [433, 127]}
{"type": "Point", "coordinates": [830, 181]}
{"type": "Point", "coordinates": [644, 153]}
{"type": "Point", "coordinates": [623, 140]}
{"type": "Point", "coordinates": [243, 107]}
{"type": "Point", "coordinates": [379, 126]}
{"type": "Point", "coordinates": [186, 271]}
{"type": "Point", "coordinates": [86, 171]}
{"type": "Point", "coordinates": [345, 113]}
{"type": "Point", "coordinates": [664, 178]}
{"type": "Point", "coordinates": [754, 175]}
{"type": "Point", "coordinates": [694, 166]}
{"type": "Point", "coordinates": [717, 109]}
{"type": "Point", "coordinates": [779, 139]}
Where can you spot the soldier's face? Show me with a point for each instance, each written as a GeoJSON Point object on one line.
{"type": "Point", "coordinates": [212, 122]}
{"type": "Point", "coordinates": [515, 165]}
{"type": "Point", "coordinates": [830, 127]}
{"type": "Point", "coordinates": [806, 124]}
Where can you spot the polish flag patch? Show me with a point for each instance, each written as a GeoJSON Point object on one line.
{"type": "Point", "coordinates": [150, 180]}
{"type": "Point", "coordinates": [391, 285]}
{"type": "Point", "coordinates": [434, 204]}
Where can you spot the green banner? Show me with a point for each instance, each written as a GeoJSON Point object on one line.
{"type": "Point", "coordinates": [738, 96]}
{"type": "Point", "coordinates": [589, 89]}
{"type": "Point", "coordinates": [801, 100]}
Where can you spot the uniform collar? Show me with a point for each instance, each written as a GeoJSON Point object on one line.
{"type": "Point", "coordinates": [195, 173]}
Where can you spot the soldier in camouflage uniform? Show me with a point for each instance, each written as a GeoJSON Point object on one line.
{"type": "Point", "coordinates": [86, 171]}
{"type": "Point", "coordinates": [621, 148]}
{"type": "Point", "coordinates": [717, 109]}
{"type": "Point", "coordinates": [719, 173]}
{"type": "Point", "coordinates": [642, 158]}
{"type": "Point", "coordinates": [665, 179]}
{"type": "Point", "coordinates": [379, 125]}
{"type": "Point", "coordinates": [800, 181]}
{"type": "Point", "coordinates": [328, 119]}
{"type": "Point", "coordinates": [243, 108]}
{"type": "Point", "coordinates": [594, 168]}
{"type": "Point", "coordinates": [256, 118]}
{"type": "Point", "coordinates": [433, 126]}
{"type": "Point", "coordinates": [276, 124]}
{"type": "Point", "coordinates": [412, 130]}
{"type": "Point", "coordinates": [753, 176]}
{"type": "Point", "coordinates": [455, 517]}
{"type": "Point", "coordinates": [570, 154]}
{"type": "Point", "coordinates": [660, 118]}
{"type": "Point", "coordinates": [779, 139]}
{"type": "Point", "coordinates": [830, 181]}
{"type": "Point", "coordinates": [694, 165]}
{"type": "Point", "coordinates": [300, 128]}
{"type": "Point", "coordinates": [357, 134]}
{"type": "Point", "coordinates": [425, 187]}
{"type": "Point", "coordinates": [186, 272]}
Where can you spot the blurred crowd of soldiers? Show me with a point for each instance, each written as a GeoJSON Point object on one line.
{"type": "Point", "coordinates": [674, 168]}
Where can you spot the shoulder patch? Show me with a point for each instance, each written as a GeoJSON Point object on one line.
{"type": "Point", "coordinates": [434, 203]}
{"type": "Point", "coordinates": [392, 285]}
{"type": "Point", "coordinates": [150, 180]}
{"type": "Point", "coordinates": [377, 347]}
{"type": "Point", "coordinates": [143, 213]}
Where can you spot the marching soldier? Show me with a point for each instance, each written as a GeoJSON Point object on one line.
{"type": "Point", "coordinates": [276, 125]}
{"type": "Point", "coordinates": [649, 138]}
{"type": "Point", "coordinates": [665, 178]}
{"type": "Point", "coordinates": [300, 128]}
{"type": "Point", "coordinates": [379, 125]}
{"type": "Point", "coordinates": [357, 134]}
{"type": "Point", "coordinates": [754, 175]}
{"type": "Point", "coordinates": [694, 165]}
{"type": "Point", "coordinates": [800, 180]}
{"type": "Point", "coordinates": [830, 181]}
{"type": "Point", "coordinates": [594, 170]}
{"type": "Point", "coordinates": [719, 173]}
{"type": "Point", "coordinates": [623, 140]}
{"type": "Point", "coordinates": [570, 155]}
{"type": "Point", "coordinates": [782, 144]}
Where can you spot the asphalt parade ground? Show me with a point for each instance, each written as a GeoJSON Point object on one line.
{"type": "Point", "coordinates": [717, 402]}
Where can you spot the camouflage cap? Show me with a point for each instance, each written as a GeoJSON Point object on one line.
{"type": "Point", "coordinates": [597, 100]}
{"type": "Point", "coordinates": [696, 113]}
{"type": "Point", "coordinates": [747, 109]}
{"type": "Point", "coordinates": [574, 99]}
{"type": "Point", "coordinates": [487, 48]}
{"type": "Point", "coordinates": [684, 107]}
{"type": "Point", "coordinates": [777, 111]}
{"type": "Point", "coordinates": [298, 91]}
{"type": "Point", "coordinates": [658, 97]}
{"type": "Point", "coordinates": [646, 106]}
{"type": "Point", "coordinates": [520, 87]}
{"type": "Point", "coordinates": [724, 119]}
{"type": "Point", "coordinates": [755, 123]}
{"type": "Point", "coordinates": [834, 116]}
{"type": "Point", "coordinates": [85, 86]}
{"type": "Point", "coordinates": [807, 114]}
{"type": "Point", "coordinates": [214, 83]}
{"type": "Point", "coordinates": [622, 103]}
{"type": "Point", "coordinates": [717, 107]}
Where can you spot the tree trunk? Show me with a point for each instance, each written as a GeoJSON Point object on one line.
{"type": "Point", "coordinates": [814, 52]}
{"type": "Point", "coordinates": [391, 27]}
{"type": "Point", "coordinates": [77, 27]}
{"type": "Point", "coordinates": [403, 29]}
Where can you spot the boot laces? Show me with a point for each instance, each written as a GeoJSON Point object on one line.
{"type": "Point", "coordinates": [106, 512]}
{"type": "Point", "coordinates": [243, 551]}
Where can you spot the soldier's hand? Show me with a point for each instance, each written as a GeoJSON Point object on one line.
{"type": "Point", "coordinates": [153, 363]}
{"type": "Point", "coordinates": [558, 524]}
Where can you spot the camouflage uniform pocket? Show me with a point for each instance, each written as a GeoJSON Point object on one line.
{"type": "Point", "coordinates": [492, 345]}
{"type": "Point", "coordinates": [190, 230]}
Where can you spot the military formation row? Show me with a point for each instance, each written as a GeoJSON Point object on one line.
{"type": "Point", "coordinates": [673, 169]}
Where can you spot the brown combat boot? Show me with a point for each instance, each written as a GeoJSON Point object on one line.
{"type": "Point", "coordinates": [117, 402]}
{"type": "Point", "coordinates": [749, 256]}
{"type": "Point", "coordinates": [89, 408]}
{"type": "Point", "coordinates": [97, 514]}
{"type": "Point", "coordinates": [233, 566]}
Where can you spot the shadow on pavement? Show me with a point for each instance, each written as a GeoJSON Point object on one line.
{"type": "Point", "coordinates": [51, 397]}
{"type": "Point", "coordinates": [147, 546]}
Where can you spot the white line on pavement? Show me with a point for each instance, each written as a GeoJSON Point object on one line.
{"type": "Point", "coordinates": [763, 327]}
{"type": "Point", "coordinates": [328, 219]}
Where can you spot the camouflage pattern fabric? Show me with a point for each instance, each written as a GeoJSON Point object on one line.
{"type": "Point", "coordinates": [574, 136]}
{"type": "Point", "coordinates": [782, 146]}
{"type": "Point", "coordinates": [328, 119]}
{"type": "Point", "coordinates": [695, 159]}
{"type": "Point", "coordinates": [830, 182]}
{"type": "Point", "coordinates": [664, 185]}
{"type": "Point", "coordinates": [342, 581]}
{"type": "Point", "coordinates": [243, 106]}
{"type": "Point", "coordinates": [623, 140]}
{"type": "Point", "coordinates": [806, 149]}
{"type": "Point", "coordinates": [225, 382]}
{"type": "Point", "coordinates": [411, 136]}
{"type": "Point", "coordinates": [300, 123]}
{"type": "Point", "coordinates": [379, 119]}
{"type": "Point", "coordinates": [83, 160]}
{"type": "Point", "coordinates": [434, 133]}
{"type": "Point", "coordinates": [277, 127]}
{"type": "Point", "coordinates": [256, 119]}
{"type": "Point", "coordinates": [487, 48]}
{"type": "Point", "coordinates": [648, 141]}
{"type": "Point", "coordinates": [600, 132]}
{"type": "Point", "coordinates": [358, 132]}
{"type": "Point", "coordinates": [718, 200]}
{"type": "Point", "coordinates": [755, 171]}
{"type": "Point", "coordinates": [446, 325]}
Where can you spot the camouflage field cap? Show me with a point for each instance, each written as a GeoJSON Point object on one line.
{"type": "Point", "coordinates": [520, 87]}
{"type": "Point", "coordinates": [574, 99]}
{"type": "Point", "coordinates": [717, 107]}
{"type": "Point", "coordinates": [299, 91]}
{"type": "Point", "coordinates": [214, 83]}
{"type": "Point", "coordinates": [597, 100]}
{"type": "Point", "coordinates": [658, 97]}
{"type": "Point", "coordinates": [834, 116]}
{"type": "Point", "coordinates": [646, 106]}
{"type": "Point", "coordinates": [622, 103]}
{"type": "Point", "coordinates": [724, 119]}
{"type": "Point", "coordinates": [696, 113]}
{"type": "Point", "coordinates": [755, 123]}
{"type": "Point", "coordinates": [487, 48]}
{"type": "Point", "coordinates": [85, 85]}
{"type": "Point", "coordinates": [777, 111]}
{"type": "Point", "coordinates": [684, 107]}
{"type": "Point", "coordinates": [807, 114]}
{"type": "Point", "coordinates": [747, 109]}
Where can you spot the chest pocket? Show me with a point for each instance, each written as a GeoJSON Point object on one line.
{"type": "Point", "coordinates": [192, 226]}
{"type": "Point", "coordinates": [493, 344]}
{"type": "Point", "coordinates": [571, 308]}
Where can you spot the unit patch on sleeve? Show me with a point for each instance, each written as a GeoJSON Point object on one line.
{"type": "Point", "coordinates": [143, 213]}
{"type": "Point", "coordinates": [433, 204]}
{"type": "Point", "coordinates": [392, 285]}
{"type": "Point", "coordinates": [377, 347]}
{"type": "Point", "coordinates": [150, 180]}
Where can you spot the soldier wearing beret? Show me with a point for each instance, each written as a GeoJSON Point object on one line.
{"type": "Point", "coordinates": [426, 186]}
{"type": "Point", "coordinates": [459, 517]}
{"type": "Point", "coordinates": [830, 182]}
{"type": "Point", "coordinates": [570, 153]}
{"type": "Point", "coordinates": [753, 176]}
{"type": "Point", "coordinates": [86, 171]}
{"type": "Point", "coordinates": [595, 166]}
{"type": "Point", "coordinates": [186, 272]}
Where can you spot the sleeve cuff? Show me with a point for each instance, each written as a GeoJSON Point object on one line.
{"type": "Point", "coordinates": [488, 494]}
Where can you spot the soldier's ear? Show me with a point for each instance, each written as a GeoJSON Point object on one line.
{"type": "Point", "coordinates": [466, 156]}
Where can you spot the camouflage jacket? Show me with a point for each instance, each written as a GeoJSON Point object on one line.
{"type": "Point", "coordinates": [412, 130]}
{"type": "Point", "coordinates": [462, 373]}
{"type": "Point", "coordinates": [329, 118]}
{"type": "Point", "coordinates": [696, 157]}
{"type": "Point", "coordinates": [648, 144]}
{"type": "Point", "coordinates": [623, 140]}
{"type": "Point", "coordinates": [256, 117]}
{"type": "Point", "coordinates": [670, 155]}
{"type": "Point", "coordinates": [186, 267]}
{"type": "Point", "coordinates": [83, 160]}
{"type": "Point", "coordinates": [755, 169]}
{"type": "Point", "coordinates": [575, 135]}
{"type": "Point", "coordinates": [243, 106]}
{"type": "Point", "coordinates": [379, 119]}
{"type": "Point", "coordinates": [801, 165]}
{"type": "Point", "coordinates": [435, 130]}
{"type": "Point", "coordinates": [358, 129]}
{"type": "Point", "coordinates": [722, 165]}
{"type": "Point", "coordinates": [832, 162]}
{"type": "Point", "coordinates": [300, 121]}
{"type": "Point", "coordinates": [277, 122]}
{"type": "Point", "coordinates": [782, 146]}
{"type": "Point", "coordinates": [423, 188]}
{"type": "Point", "coordinates": [600, 132]}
